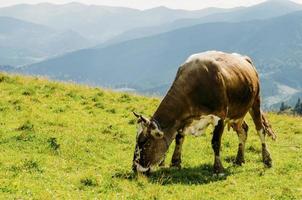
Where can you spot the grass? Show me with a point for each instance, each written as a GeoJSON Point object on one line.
{"type": "Point", "coordinates": [64, 141]}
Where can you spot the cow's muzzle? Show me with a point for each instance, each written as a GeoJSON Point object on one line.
{"type": "Point", "coordinates": [138, 168]}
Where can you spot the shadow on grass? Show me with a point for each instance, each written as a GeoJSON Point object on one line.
{"type": "Point", "coordinates": [202, 174]}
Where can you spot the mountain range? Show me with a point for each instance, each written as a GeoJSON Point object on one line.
{"type": "Point", "coordinates": [98, 23]}
{"type": "Point", "coordinates": [265, 10]}
{"type": "Point", "coordinates": [145, 56]}
{"type": "Point", "coordinates": [47, 30]}
{"type": "Point", "coordinates": [24, 42]}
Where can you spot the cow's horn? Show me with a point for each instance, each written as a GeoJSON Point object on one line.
{"type": "Point", "coordinates": [142, 118]}
{"type": "Point", "coordinates": [136, 115]}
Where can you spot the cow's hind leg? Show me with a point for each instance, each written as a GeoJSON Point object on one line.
{"type": "Point", "coordinates": [216, 143]}
{"type": "Point", "coordinates": [261, 130]}
{"type": "Point", "coordinates": [176, 158]}
{"type": "Point", "coordinates": [241, 129]}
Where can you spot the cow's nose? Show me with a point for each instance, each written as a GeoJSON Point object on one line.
{"type": "Point", "coordinates": [138, 168]}
{"type": "Point", "coordinates": [134, 168]}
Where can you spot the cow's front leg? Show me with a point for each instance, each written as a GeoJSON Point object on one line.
{"type": "Point", "coordinates": [176, 158]}
{"type": "Point", "coordinates": [163, 162]}
{"type": "Point", "coordinates": [216, 143]}
{"type": "Point", "coordinates": [242, 136]}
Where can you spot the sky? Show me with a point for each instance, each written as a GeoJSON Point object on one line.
{"type": "Point", "coordinates": [144, 4]}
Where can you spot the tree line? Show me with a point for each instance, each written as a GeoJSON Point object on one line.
{"type": "Point", "coordinates": [296, 110]}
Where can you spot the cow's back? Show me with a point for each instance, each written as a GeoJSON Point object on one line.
{"type": "Point", "coordinates": [217, 83]}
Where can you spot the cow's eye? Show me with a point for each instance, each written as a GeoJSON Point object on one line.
{"type": "Point", "coordinates": [141, 140]}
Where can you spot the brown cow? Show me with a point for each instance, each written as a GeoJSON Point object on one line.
{"type": "Point", "coordinates": [210, 88]}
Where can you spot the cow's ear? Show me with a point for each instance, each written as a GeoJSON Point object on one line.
{"type": "Point", "coordinates": [141, 119]}
{"type": "Point", "coordinates": [155, 131]}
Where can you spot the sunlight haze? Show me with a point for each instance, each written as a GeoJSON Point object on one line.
{"type": "Point", "coordinates": [180, 4]}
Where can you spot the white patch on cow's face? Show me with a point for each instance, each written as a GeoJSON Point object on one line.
{"type": "Point", "coordinates": [156, 132]}
{"type": "Point", "coordinates": [199, 127]}
{"type": "Point", "coordinates": [139, 130]}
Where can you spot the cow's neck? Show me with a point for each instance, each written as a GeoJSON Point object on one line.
{"type": "Point", "coordinates": [169, 114]}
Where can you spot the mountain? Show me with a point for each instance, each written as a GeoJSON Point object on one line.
{"type": "Point", "coordinates": [38, 32]}
{"type": "Point", "coordinates": [147, 63]}
{"type": "Point", "coordinates": [23, 42]}
{"type": "Point", "coordinates": [98, 23]}
{"type": "Point", "coordinates": [32, 33]}
{"type": "Point", "coordinates": [265, 10]}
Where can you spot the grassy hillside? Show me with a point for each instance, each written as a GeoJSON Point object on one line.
{"type": "Point", "coordinates": [63, 141]}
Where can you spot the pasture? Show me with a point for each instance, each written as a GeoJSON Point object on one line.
{"type": "Point", "coordinates": [65, 141]}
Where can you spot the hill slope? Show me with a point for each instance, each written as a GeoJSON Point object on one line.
{"type": "Point", "coordinates": [66, 141]}
{"type": "Point", "coordinates": [148, 63]}
{"type": "Point", "coordinates": [23, 42]}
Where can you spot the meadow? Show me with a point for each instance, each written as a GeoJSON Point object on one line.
{"type": "Point", "coordinates": [65, 141]}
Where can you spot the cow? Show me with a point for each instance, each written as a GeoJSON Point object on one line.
{"type": "Point", "coordinates": [210, 88]}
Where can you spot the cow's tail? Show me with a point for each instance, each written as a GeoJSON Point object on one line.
{"type": "Point", "coordinates": [260, 120]}
{"type": "Point", "coordinates": [267, 127]}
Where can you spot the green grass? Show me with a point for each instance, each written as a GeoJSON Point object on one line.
{"type": "Point", "coordinates": [63, 141]}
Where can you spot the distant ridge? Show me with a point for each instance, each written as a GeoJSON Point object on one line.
{"type": "Point", "coordinates": [103, 22]}
{"type": "Point", "coordinates": [23, 42]}
{"type": "Point", "coordinates": [151, 62]}
{"type": "Point", "coordinates": [265, 10]}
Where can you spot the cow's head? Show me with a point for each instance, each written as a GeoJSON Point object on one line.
{"type": "Point", "coordinates": [151, 145]}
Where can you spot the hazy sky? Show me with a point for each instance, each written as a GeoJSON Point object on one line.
{"type": "Point", "coordinates": [142, 4]}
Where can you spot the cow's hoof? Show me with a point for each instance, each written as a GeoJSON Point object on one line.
{"type": "Point", "coordinates": [176, 164]}
{"type": "Point", "coordinates": [239, 158]}
{"type": "Point", "coordinates": [218, 168]}
{"type": "Point", "coordinates": [239, 161]}
{"type": "Point", "coordinates": [268, 162]}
